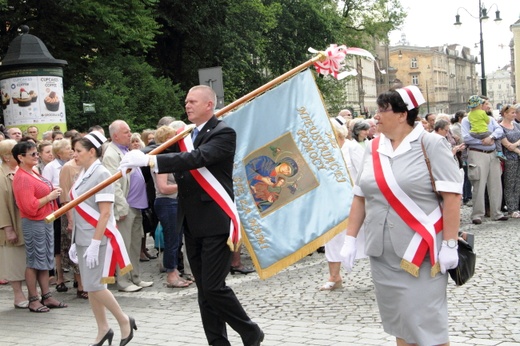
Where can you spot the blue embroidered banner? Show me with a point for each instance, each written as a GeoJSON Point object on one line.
{"type": "Point", "coordinates": [292, 188]}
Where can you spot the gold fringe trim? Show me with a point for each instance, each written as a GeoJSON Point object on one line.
{"type": "Point", "coordinates": [410, 268]}
{"type": "Point", "coordinates": [283, 263]}
{"type": "Point", "coordinates": [436, 269]}
{"type": "Point", "coordinates": [125, 270]}
{"type": "Point", "coordinates": [108, 280]}
{"type": "Point", "coordinates": [234, 247]}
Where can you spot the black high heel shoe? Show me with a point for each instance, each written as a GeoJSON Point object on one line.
{"type": "Point", "coordinates": [242, 270]}
{"type": "Point", "coordinates": [108, 336]}
{"type": "Point", "coordinates": [131, 336]}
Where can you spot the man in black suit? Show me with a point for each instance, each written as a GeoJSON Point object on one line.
{"type": "Point", "coordinates": [206, 224]}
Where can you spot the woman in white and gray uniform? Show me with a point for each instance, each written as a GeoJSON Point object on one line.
{"type": "Point", "coordinates": [91, 219]}
{"type": "Point", "coordinates": [411, 242]}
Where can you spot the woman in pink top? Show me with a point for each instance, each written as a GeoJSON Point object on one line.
{"type": "Point", "coordinates": [36, 198]}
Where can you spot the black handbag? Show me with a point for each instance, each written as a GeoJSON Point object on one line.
{"type": "Point", "coordinates": [466, 267]}
{"type": "Point", "coordinates": [467, 258]}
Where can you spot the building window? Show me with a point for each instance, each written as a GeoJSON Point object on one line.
{"type": "Point", "coordinates": [414, 63]}
{"type": "Point", "coordinates": [415, 79]}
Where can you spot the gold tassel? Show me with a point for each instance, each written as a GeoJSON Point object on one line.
{"type": "Point", "coordinates": [234, 247]}
{"type": "Point", "coordinates": [410, 268]}
{"type": "Point", "coordinates": [436, 269]}
{"type": "Point", "coordinates": [108, 280]}
{"type": "Point", "coordinates": [125, 270]}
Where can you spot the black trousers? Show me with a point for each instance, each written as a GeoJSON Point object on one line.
{"type": "Point", "coordinates": [210, 261]}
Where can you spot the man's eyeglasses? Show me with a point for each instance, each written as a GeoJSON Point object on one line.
{"type": "Point", "coordinates": [34, 154]}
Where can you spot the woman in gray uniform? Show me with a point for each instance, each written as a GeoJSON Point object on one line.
{"type": "Point", "coordinates": [411, 240]}
{"type": "Point", "coordinates": [97, 244]}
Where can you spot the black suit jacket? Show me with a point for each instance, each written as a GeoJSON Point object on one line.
{"type": "Point", "coordinates": [214, 148]}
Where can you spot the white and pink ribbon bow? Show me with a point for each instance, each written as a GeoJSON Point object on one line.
{"type": "Point", "coordinates": [334, 57]}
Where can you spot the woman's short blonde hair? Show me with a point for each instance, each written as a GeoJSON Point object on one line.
{"type": "Point", "coordinates": [6, 147]}
{"type": "Point", "coordinates": [163, 133]}
{"type": "Point", "coordinates": [137, 137]}
{"type": "Point", "coordinates": [59, 145]}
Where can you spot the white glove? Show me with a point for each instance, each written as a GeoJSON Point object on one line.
{"type": "Point", "coordinates": [133, 159]}
{"type": "Point", "coordinates": [448, 258]}
{"type": "Point", "coordinates": [92, 254]}
{"type": "Point", "coordinates": [348, 252]}
{"type": "Point", "coordinates": [73, 254]}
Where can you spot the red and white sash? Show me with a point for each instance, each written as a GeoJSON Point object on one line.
{"type": "Point", "coordinates": [115, 251]}
{"type": "Point", "coordinates": [425, 226]}
{"type": "Point", "coordinates": [214, 188]}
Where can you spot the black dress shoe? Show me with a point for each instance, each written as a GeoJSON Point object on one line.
{"type": "Point", "coordinates": [477, 221]}
{"type": "Point", "coordinates": [129, 338]}
{"type": "Point", "coordinates": [258, 341]}
{"type": "Point", "coordinates": [503, 218]}
{"type": "Point", "coordinates": [242, 270]}
{"type": "Point", "coordinates": [108, 336]}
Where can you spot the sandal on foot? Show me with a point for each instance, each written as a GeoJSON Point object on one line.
{"type": "Point", "coordinates": [48, 295]}
{"type": "Point", "coordinates": [331, 285]}
{"type": "Point", "coordinates": [515, 215]}
{"type": "Point", "coordinates": [82, 294]}
{"type": "Point", "coordinates": [41, 308]}
{"type": "Point", "coordinates": [22, 305]}
{"type": "Point", "coordinates": [62, 287]}
{"type": "Point", "coordinates": [179, 283]}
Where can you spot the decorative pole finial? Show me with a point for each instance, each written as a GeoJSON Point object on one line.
{"type": "Point", "coordinates": [23, 29]}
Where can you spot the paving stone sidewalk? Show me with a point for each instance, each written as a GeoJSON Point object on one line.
{"type": "Point", "coordinates": [290, 308]}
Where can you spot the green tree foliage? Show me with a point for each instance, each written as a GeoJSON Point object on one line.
{"type": "Point", "coordinates": [105, 44]}
{"type": "Point", "coordinates": [135, 59]}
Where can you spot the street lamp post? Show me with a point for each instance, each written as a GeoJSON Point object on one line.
{"type": "Point", "coordinates": [482, 17]}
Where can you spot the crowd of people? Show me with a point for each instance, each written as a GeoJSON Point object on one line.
{"type": "Point", "coordinates": [404, 216]}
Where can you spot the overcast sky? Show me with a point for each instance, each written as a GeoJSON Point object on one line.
{"type": "Point", "coordinates": [430, 23]}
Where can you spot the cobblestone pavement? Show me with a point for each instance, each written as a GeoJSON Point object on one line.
{"type": "Point", "coordinates": [290, 308]}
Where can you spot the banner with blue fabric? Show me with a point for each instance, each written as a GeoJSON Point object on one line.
{"type": "Point", "coordinates": [292, 188]}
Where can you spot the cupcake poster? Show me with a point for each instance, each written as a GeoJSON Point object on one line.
{"type": "Point", "coordinates": [19, 99]}
{"type": "Point", "coordinates": [33, 100]}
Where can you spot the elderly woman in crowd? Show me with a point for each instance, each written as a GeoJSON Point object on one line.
{"type": "Point", "coordinates": [360, 132]}
{"type": "Point", "coordinates": [62, 152]}
{"type": "Point", "coordinates": [12, 245]}
{"type": "Point", "coordinates": [442, 128]}
{"type": "Point", "coordinates": [96, 241]}
{"type": "Point", "coordinates": [411, 241]}
{"type": "Point", "coordinates": [36, 198]}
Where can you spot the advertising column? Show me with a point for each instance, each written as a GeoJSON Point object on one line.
{"type": "Point", "coordinates": [31, 85]}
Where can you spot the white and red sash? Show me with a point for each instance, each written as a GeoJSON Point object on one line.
{"type": "Point", "coordinates": [214, 188]}
{"type": "Point", "coordinates": [115, 251]}
{"type": "Point", "coordinates": [425, 226]}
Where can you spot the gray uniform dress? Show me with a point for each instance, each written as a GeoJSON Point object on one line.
{"type": "Point", "coordinates": [83, 232]}
{"type": "Point", "coordinates": [412, 308]}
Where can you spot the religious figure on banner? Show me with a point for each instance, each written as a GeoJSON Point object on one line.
{"type": "Point", "coordinates": [273, 173]}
